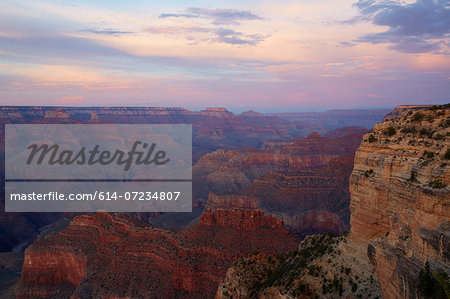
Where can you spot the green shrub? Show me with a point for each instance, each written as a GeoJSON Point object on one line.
{"type": "Point", "coordinates": [372, 138]}
{"type": "Point", "coordinates": [418, 116]}
{"type": "Point", "coordinates": [447, 154]}
{"type": "Point", "coordinates": [424, 132]}
{"type": "Point", "coordinates": [390, 131]}
{"type": "Point", "coordinates": [409, 130]}
{"type": "Point", "coordinates": [428, 154]}
{"type": "Point", "coordinates": [436, 184]}
{"type": "Point", "coordinates": [429, 287]}
{"type": "Point", "coordinates": [443, 281]}
{"type": "Point", "coordinates": [413, 177]}
{"type": "Point", "coordinates": [368, 173]}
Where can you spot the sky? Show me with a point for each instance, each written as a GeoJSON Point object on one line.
{"type": "Point", "coordinates": [269, 56]}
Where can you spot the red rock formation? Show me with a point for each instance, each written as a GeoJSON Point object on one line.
{"type": "Point", "coordinates": [107, 255]}
{"type": "Point", "coordinates": [225, 172]}
{"type": "Point", "coordinates": [400, 199]}
{"type": "Point", "coordinates": [274, 145]}
{"type": "Point", "coordinates": [322, 221]}
{"type": "Point", "coordinates": [308, 201]}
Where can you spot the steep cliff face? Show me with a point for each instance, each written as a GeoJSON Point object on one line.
{"type": "Point", "coordinates": [115, 256]}
{"type": "Point", "coordinates": [400, 201]}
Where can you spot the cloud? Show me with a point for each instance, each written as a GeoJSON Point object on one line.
{"type": "Point", "coordinates": [57, 45]}
{"type": "Point", "coordinates": [229, 36]}
{"type": "Point", "coordinates": [107, 31]}
{"type": "Point", "coordinates": [346, 44]}
{"type": "Point", "coordinates": [178, 15]}
{"type": "Point", "coordinates": [219, 16]}
{"type": "Point", "coordinates": [417, 27]}
{"type": "Point", "coordinates": [202, 34]}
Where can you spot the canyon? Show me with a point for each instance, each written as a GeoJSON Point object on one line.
{"type": "Point", "coordinates": [271, 218]}
{"type": "Point", "coordinates": [303, 182]}
{"type": "Point", "coordinates": [214, 130]}
{"type": "Point", "coordinates": [399, 242]}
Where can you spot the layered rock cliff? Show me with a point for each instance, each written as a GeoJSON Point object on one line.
{"type": "Point", "coordinates": [114, 255]}
{"type": "Point", "coordinates": [225, 172]}
{"type": "Point", "coordinates": [308, 201]}
{"type": "Point", "coordinates": [400, 201]}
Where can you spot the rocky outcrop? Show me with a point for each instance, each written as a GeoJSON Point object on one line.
{"type": "Point", "coordinates": [114, 255]}
{"type": "Point", "coordinates": [400, 201]}
{"type": "Point", "coordinates": [402, 108]}
{"type": "Point", "coordinates": [94, 119]}
{"type": "Point", "coordinates": [323, 266]}
{"type": "Point", "coordinates": [59, 113]}
{"type": "Point", "coordinates": [274, 145]}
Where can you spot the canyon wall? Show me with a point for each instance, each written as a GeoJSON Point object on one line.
{"type": "Point", "coordinates": [400, 201]}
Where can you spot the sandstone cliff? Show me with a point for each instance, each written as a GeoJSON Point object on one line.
{"type": "Point", "coordinates": [400, 199]}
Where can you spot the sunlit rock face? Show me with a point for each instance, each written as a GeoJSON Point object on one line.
{"type": "Point", "coordinates": [400, 201]}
